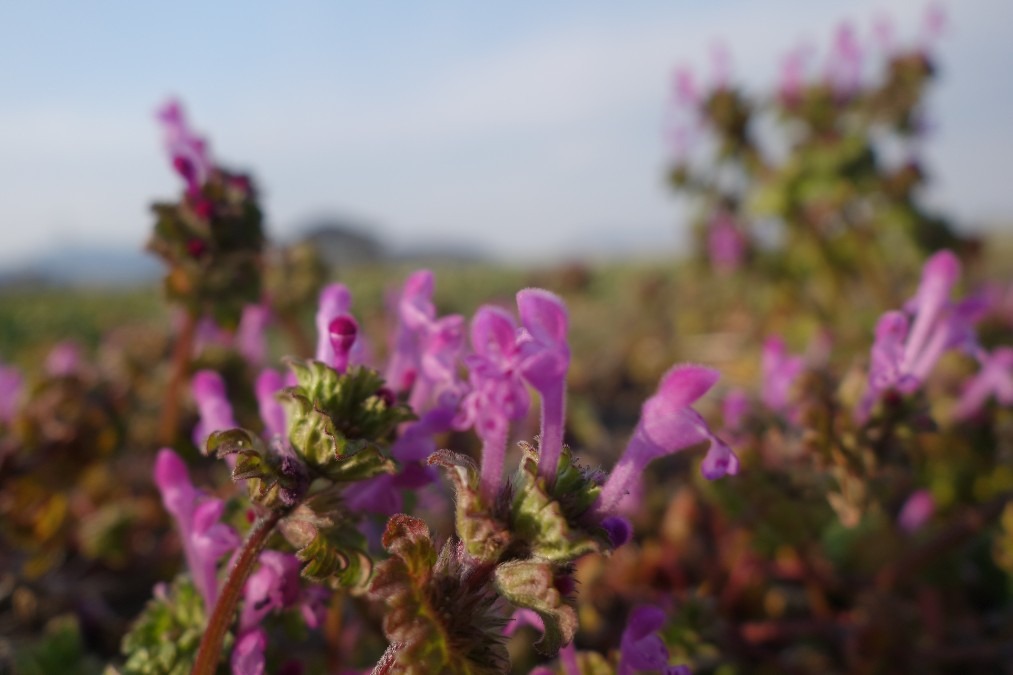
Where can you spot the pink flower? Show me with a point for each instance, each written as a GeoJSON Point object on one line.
{"type": "Point", "coordinates": [668, 425]}
{"type": "Point", "coordinates": [273, 587]}
{"type": "Point", "coordinates": [726, 244]}
{"type": "Point", "coordinates": [844, 68]}
{"type": "Point", "coordinates": [11, 389]}
{"type": "Point", "coordinates": [248, 654]}
{"type": "Point", "coordinates": [917, 510]}
{"type": "Point", "coordinates": [342, 331]}
{"type": "Point", "coordinates": [994, 379]}
{"type": "Point", "coordinates": [780, 371]}
{"type": "Point", "coordinates": [497, 394]}
{"type": "Point", "coordinates": [187, 151]}
{"type": "Point", "coordinates": [251, 335]}
{"type": "Point", "coordinates": [545, 358]}
{"type": "Point", "coordinates": [269, 383]}
{"type": "Point", "coordinates": [64, 359]}
{"type": "Point", "coordinates": [205, 540]}
{"type": "Point", "coordinates": [212, 405]}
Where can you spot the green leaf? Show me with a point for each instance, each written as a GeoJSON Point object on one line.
{"type": "Point", "coordinates": [364, 463]}
{"type": "Point", "coordinates": [273, 480]}
{"type": "Point", "coordinates": [532, 584]}
{"type": "Point", "coordinates": [484, 536]}
{"type": "Point", "coordinates": [328, 542]}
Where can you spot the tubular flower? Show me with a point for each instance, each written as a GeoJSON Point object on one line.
{"type": "Point", "coordinates": [668, 424]}
{"type": "Point", "coordinates": [269, 383]}
{"type": "Point", "coordinates": [187, 151]}
{"type": "Point", "coordinates": [497, 395]}
{"type": "Point", "coordinates": [545, 358]}
{"type": "Point", "coordinates": [916, 511]}
{"type": "Point", "coordinates": [994, 379]}
{"type": "Point", "coordinates": [780, 371]}
{"type": "Point", "coordinates": [904, 353]}
{"type": "Point", "coordinates": [205, 540]}
{"type": "Point", "coordinates": [212, 405]}
{"type": "Point", "coordinates": [641, 648]}
{"type": "Point", "coordinates": [11, 387]}
{"type": "Point", "coordinates": [251, 341]}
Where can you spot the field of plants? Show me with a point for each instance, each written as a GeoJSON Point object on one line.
{"type": "Point", "coordinates": [790, 452]}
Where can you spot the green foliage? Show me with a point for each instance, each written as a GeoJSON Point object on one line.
{"type": "Point", "coordinates": [59, 650]}
{"type": "Point", "coordinates": [332, 414]}
{"type": "Point", "coordinates": [165, 637]}
{"type": "Point", "coordinates": [328, 542]}
{"type": "Point", "coordinates": [532, 584]}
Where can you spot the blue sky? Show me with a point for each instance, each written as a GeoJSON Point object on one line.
{"type": "Point", "coordinates": [533, 130]}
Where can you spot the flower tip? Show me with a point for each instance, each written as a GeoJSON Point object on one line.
{"type": "Point", "coordinates": [170, 470]}
{"type": "Point", "coordinates": [208, 384]}
{"type": "Point", "coordinates": [685, 383]}
{"type": "Point", "coordinates": [619, 530]}
{"type": "Point", "coordinates": [544, 314]}
{"type": "Point", "coordinates": [943, 266]}
{"type": "Point", "coordinates": [335, 299]}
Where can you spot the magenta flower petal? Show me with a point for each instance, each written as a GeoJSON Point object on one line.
{"type": "Point", "coordinates": [64, 359]}
{"type": "Point", "coordinates": [640, 647]}
{"type": "Point", "coordinates": [342, 332]}
{"type": "Point", "coordinates": [994, 379]}
{"type": "Point", "coordinates": [917, 510]}
{"type": "Point", "coordinates": [11, 388]}
{"type": "Point", "coordinates": [780, 371]}
{"type": "Point", "coordinates": [335, 300]}
{"type": "Point", "coordinates": [269, 383]}
{"type": "Point", "coordinates": [248, 654]}
{"type": "Point", "coordinates": [212, 405]}
{"type": "Point", "coordinates": [251, 335]}
{"type": "Point", "coordinates": [719, 461]}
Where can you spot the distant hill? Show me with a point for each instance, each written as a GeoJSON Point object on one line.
{"type": "Point", "coordinates": [84, 265]}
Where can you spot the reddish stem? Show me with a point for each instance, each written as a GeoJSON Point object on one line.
{"type": "Point", "coordinates": [210, 650]}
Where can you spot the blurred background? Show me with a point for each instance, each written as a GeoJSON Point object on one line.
{"type": "Point", "coordinates": [520, 133]}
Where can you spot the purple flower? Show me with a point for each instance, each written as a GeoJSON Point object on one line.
{"type": "Point", "coordinates": [251, 338]}
{"type": "Point", "coordinates": [274, 587]}
{"type": "Point", "coordinates": [187, 151]}
{"type": "Point", "coordinates": [780, 371]}
{"type": "Point", "coordinates": [667, 425]}
{"type": "Point", "coordinates": [734, 410]}
{"type": "Point", "coordinates": [269, 383]}
{"type": "Point", "coordinates": [793, 71]}
{"type": "Point", "coordinates": [687, 93]}
{"type": "Point", "coordinates": [497, 395]}
{"type": "Point", "coordinates": [904, 353]}
{"type": "Point", "coordinates": [415, 311]}
{"type": "Point", "coordinates": [64, 359]}
{"type": "Point", "coordinates": [917, 510]}
{"type": "Point", "coordinates": [248, 654]}
{"type": "Point", "coordinates": [934, 24]}
{"type": "Point", "coordinates": [844, 69]}
{"type": "Point", "coordinates": [726, 244]}
{"type": "Point", "coordinates": [209, 334]}
{"type": "Point", "coordinates": [335, 301]}
{"type": "Point", "coordinates": [545, 358]}
{"type": "Point", "coordinates": [212, 405]}
{"type": "Point", "coordinates": [994, 379]}
{"type": "Point", "coordinates": [641, 648]}
{"type": "Point", "coordinates": [205, 540]}
{"type": "Point", "coordinates": [11, 387]}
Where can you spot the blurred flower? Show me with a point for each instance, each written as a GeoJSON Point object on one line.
{"type": "Point", "coordinates": [269, 383]}
{"type": "Point", "coordinates": [667, 425]}
{"type": "Point", "coordinates": [641, 648]}
{"type": "Point", "coordinates": [251, 335]}
{"type": "Point", "coordinates": [335, 301]}
{"type": "Point", "coordinates": [212, 405]}
{"type": "Point", "coordinates": [248, 654]}
{"type": "Point", "coordinates": [995, 378]}
{"type": "Point", "coordinates": [187, 151]}
{"type": "Point", "coordinates": [916, 511]}
{"type": "Point", "coordinates": [11, 388]}
{"type": "Point", "coordinates": [64, 359]}
{"type": "Point", "coordinates": [726, 244]}
{"type": "Point", "coordinates": [205, 540]}
{"type": "Point", "coordinates": [780, 371]}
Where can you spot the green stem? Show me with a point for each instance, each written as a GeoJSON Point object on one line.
{"type": "Point", "coordinates": [210, 650]}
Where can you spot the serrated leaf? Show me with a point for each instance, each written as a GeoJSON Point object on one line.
{"type": "Point", "coordinates": [532, 584]}
{"type": "Point", "coordinates": [274, 480]}
{"type": "Point", "coordinates": [328, 542]}
{"type": "Point", "coordinates": [555, 526]}
{"type": "Point", "coordinates": [484, 537]}
{"type": "Point", "coordinates": [365, 462]}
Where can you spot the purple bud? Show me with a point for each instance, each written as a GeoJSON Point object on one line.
{"type": "Point", "coordinates": [187, 151]}
{"type": "Point", "coordinates": [619, 530]}
{"type": "Point", "coordinates": [342, 331]}
{"type": "Point", "coordinates": [335, 301]}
